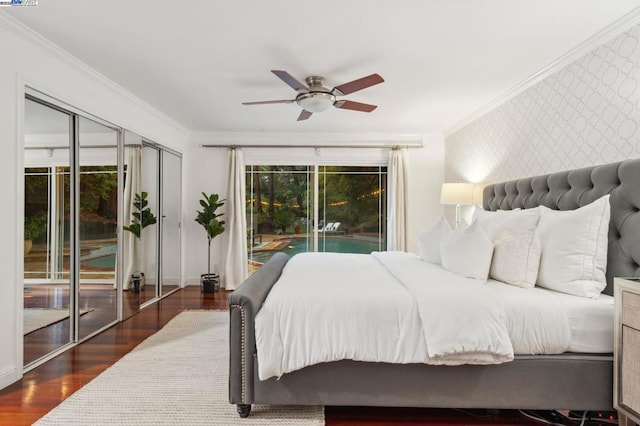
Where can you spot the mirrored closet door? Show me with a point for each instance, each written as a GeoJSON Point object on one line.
{"type": "Point", "coordinates": [97, 199]}
{"type": "Point", "coordinates": [70, 228]}
{"type": "Point", "coordinates": [47, 319]}
{"type": "Point", "coordinates": [151, 241]}
{"type": "Point", "coordinates": [171, 204]}
{"type": "Point", "coordinates": [140, 239]}
{"type": "Point", "coordinates": [83, 179]}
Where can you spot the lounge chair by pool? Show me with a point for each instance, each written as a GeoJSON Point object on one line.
{"type": "Point", "coordinates": [327, 228]}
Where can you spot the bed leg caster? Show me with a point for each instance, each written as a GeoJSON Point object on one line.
{"type": "Point", "coordinates": [244, 410]}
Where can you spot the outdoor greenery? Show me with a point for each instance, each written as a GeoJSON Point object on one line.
{"type": "Point", "coordinates": [208, 218]}
{"type": "Point", "coordinates": [353, 199]}
{"type": "Point", "coordinates": [142, 217]}
{"type": "Point", "coordinates": [98, 192]}
{"type": "Point", "coordinates": [34, 226]}
{"type": "Point", "coordinates": [353, 196]}
{"type": "Point", "coordinates": [98, 189]}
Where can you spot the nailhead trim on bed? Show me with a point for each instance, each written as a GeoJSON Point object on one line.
{"type": "Point", "coordinates": [242, 351]}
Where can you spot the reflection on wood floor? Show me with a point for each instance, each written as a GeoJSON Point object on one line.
{"type": "Point", "coordinates": [99, 302]}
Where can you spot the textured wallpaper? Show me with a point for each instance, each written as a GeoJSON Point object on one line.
{"type": "Point", "coordinates": [587, 113]}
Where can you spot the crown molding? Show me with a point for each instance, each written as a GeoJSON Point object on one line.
{"type": "Point", "coordinates": [598, 39]}
{"type": "Point", "coordinates": [20, 30]}
{"type": "Point", "coordinates": [310, 139]}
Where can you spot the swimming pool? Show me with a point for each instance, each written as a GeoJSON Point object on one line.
{"type": "Point", "coordinates": [336, 244]}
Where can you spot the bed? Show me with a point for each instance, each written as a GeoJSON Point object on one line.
{"type": "Point", "coordinates": [570, 380]}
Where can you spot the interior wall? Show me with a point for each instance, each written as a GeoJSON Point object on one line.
{"type": "Point", "coordinates": [426, 174]}
{"type": "Point", "coordinates": [27, 59]}
{"type": "Point", "coordinates": [586, 113]}
{"type": "Point", "coordinates": [206, 170]}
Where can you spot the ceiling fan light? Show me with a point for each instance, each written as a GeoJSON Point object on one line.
{"type": "Point", "coordinates": [316, 101]}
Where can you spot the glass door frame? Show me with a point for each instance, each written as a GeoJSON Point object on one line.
{"type": "Point", "coordinates": [313, 185]}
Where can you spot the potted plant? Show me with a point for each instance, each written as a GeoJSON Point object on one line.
{"type": "Point", "coordinates": [208, 218]}
{"type": "Point", "coordinates": [34, 226]}
{"type": "Point", "coordinates": [142, 217]}
{"type": "Point", "coordinates": [296, 226]}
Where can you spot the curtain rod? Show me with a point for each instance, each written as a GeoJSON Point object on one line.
{"type": "Point", "coordinates": [235, 146]}
{"type": "Point", "coordinates": [82, 146]}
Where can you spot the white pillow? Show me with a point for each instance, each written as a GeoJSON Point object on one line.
{"type": "Point", "coordinates": [480, 212]}
{"type": "Point", "coordinates": [574, 249]}
{"type": "Point", "coordinates": [517, 249]}
{"type": "Point", "coordinates": [429, 241]}
{"type": "Point", "coordinates": [467, 252]}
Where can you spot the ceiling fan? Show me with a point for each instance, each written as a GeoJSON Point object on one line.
{"type": "Point", "coordinates": [314, 97]}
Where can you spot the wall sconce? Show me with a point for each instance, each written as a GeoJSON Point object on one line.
{"type": "Point", "coordinates": [460, 194]}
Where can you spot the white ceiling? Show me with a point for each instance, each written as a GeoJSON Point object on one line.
{"type": "Point", "coordinates": [196, 61]}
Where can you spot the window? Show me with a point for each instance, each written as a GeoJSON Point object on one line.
{"type": "Point", "coordinates": [296, 209]}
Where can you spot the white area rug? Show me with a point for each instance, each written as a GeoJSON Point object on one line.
{"type": "Point", "coordinates": [37, 318]}
{"type": "Point", "coordinates": [178, 376]}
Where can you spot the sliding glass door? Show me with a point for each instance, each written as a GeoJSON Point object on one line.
{"type": "Point", "coordinates": [348, 217]}
{"type": "Point", "coordinates": [352, 209]}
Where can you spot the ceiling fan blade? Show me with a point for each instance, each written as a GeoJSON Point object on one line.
{"type": "Point", "coordinates": [304, 115]}
{"type": "Point", "coordinates": [284, 101]}
{"type": "Point", "coordinates": [356, 106]}
{"type": "Point", "coordinates": [290, 80]}
{"type": "Point", "coordinates": [355, 85]}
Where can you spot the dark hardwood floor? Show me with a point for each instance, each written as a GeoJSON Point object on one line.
{"type": "Point", "coordinates": [47, 385]}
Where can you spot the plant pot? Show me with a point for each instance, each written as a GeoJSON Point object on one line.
{"type": "Point", "coordinates": [136, 282]}
{"type": "Point", "coordinates": [209, 283]}
{"type": "Point", "coordinates": [27, 246]}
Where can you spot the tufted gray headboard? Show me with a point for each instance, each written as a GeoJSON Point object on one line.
{"type": "Point", "coordinates": [571, 189]}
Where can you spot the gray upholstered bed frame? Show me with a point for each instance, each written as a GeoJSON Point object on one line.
{"type": "Point", "coordinates": [567, 381]}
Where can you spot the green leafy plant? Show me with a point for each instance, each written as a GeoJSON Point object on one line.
{"type": "Point", "coordinates": [142, 217]}
{"type": "Point", "coordinates": [208, 218]}
{"type": "Point", "coordinates": [283, 218]}
{"type": "Point", "coordinates": [34, 226]}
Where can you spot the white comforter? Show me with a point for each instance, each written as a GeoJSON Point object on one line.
{"type": "Point", "coordinates": [389, 307]}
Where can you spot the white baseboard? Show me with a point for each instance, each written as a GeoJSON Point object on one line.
{"type": "Point", "coordinates": [192, 281]}
{"type": "Point", "coordinates": [8, 376]}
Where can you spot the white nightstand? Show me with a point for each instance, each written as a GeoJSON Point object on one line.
{"type": "Point", "coordinates": [626, 364]}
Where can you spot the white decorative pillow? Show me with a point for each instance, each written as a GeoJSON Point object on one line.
{"type": "Point", "coordinates": [574, 249]}
{"type": "Point", "coordinates": [429, 241]}
{"type": "Point", "coordinates": [467, 252]}
{"type": "Point", "coordinates": [517, 250]}
{"type": "Point", "coordinates": [480, 212]}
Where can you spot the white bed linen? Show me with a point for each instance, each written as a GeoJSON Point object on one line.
{"type": "Point", "coordinates": [592, 322]}
{"type": "Point", "coordinates": [463, 322]}
{"type": "Point", "coordinates": [538, 322]}
{"type": "Point", "coordinates": [370, 315]}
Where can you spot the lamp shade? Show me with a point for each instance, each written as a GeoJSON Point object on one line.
{"type": "Point", "coordinates": [478, 193]}
{"type": "Point", "coordinates": [457, 193]}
